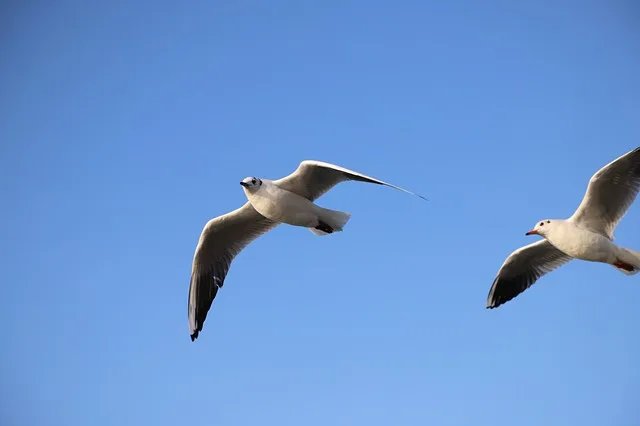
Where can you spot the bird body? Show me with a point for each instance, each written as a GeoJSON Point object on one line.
{"type": "Point", "coordinates": [579, 243]}
{"type": "Point", "coordinates": [280, 205]}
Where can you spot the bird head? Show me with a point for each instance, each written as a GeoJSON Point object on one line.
{"type": "Point", "coordinates": [542, 227]}
{"type": "Point", "coordinates": [251, 183]}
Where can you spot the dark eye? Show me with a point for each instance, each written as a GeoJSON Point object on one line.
{"type": "Point", "coordinates": [548, 221]}
{"type": "Point", "coordinates": [253, 181]}
{"type": "Point", "coordinates": [541, 223]}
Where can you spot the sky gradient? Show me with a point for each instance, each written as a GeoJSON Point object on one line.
{"type": "Point", "coordinates": [126, 125]}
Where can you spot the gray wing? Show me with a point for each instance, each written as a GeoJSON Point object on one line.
{"type": "Point", "coordinates": [610, 193]}
{"type": "Point", "coordinates": [221, 240]}
{"type": "Point", "coordinates": [313, 178]}
{"type": "Point", "coordinates": [522, 268]}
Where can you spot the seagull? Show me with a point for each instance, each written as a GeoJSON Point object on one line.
{"type": "Point", "coordinates": [586, 235]}
{"type": "Point", "coordinates": [270, 202]}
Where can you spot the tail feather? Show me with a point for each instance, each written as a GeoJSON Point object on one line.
{"type": "Point", "coordinates": [334, 219]}
{"type": "Point", "coordinates": [628, 261]}
{"type": "Point", "coordinates": [318, 231]}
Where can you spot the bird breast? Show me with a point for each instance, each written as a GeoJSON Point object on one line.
{"type": "Point", "coordinates": [283, 206]}
{"type": "Point", "coordinates": [582, 244]}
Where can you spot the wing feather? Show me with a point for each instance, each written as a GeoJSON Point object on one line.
{"type": "Point", "coordinates": [314, 178]}
{"type": "Point", "coordinates": [220, 241]}
{"type": "Point", "coordinates": [522, 269]}
{"type": "Point", "coordinates": [610, 193]}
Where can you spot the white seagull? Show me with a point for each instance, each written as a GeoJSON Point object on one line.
{"type": "Point", "coordinates": [586, 235]}
{"type": "Point", "coordinates": [288, 200]}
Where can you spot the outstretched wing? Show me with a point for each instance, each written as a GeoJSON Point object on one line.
{"type": "Point", "coordinates": [313, 178]}
{"type": "Point", "coordinates": [220, 241]}
{"type": "Point", "coordinates": [522, 269]}
{"type": "Point", "coordinates": [610, 193]}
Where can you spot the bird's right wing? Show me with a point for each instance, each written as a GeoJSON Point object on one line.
{"type": "Point", "coordinates": [220, 241]}
{"type": "Point", "coordinates": [522, 268]}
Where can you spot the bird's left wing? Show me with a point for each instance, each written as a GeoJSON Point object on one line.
{"type": "Point", "coordinates": [610, 193]}
{"type": "Point", "coordinates": [314, 178]}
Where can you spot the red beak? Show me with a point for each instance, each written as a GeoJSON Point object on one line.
{"type": "Point", "coordinates": [534, 232]}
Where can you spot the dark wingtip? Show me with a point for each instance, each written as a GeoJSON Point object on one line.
{"type": "Point", "coordinates": [493, 300]}
{"type": "Point", "coordinates": [206, 292]}
{"type": "Point", "coordinates": [505, 298]}
{"type": "Point", "coordinates": [194, 335]}
{"type": "Point", "coordinates": [496, 301]}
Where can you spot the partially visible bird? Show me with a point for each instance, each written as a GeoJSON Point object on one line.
{"type": "Point", "coordinates": [586, 235]}
{"type": "Point", "coordinates": [288, 200]}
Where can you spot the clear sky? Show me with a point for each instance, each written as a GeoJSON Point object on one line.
{"type": "Point", "coordinates": [126, 125]}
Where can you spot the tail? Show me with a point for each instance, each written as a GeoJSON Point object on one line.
{"type": "Point", "coordinates": [627, 261]}
{"type": "Point", "coordinates": [330, 221]}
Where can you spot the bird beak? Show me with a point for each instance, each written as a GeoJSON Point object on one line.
{"type": "Point", "coordinates": [245, 184]}
{"type": "Point", "coordinates": [534, 232]}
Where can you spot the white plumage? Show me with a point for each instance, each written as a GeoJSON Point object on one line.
{"type": "Point", "coordinates": [288, 200]}
{"type": "Point", "coordinates": [586, 235]}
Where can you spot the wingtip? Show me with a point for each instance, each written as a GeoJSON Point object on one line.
{"type": "Point", "coordinates": [411, 192]}
{"type": "Point", "coordinates": [194, 336]}
{"type": "Point", "coordinates": [499, 301]}
{"type": "Point", "coordinates": [490, 304]}
{"type": "Point", "coordinates": [494, 301]}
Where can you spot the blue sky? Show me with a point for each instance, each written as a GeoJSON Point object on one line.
{"type": "Point", "coordinates": [126, 125]}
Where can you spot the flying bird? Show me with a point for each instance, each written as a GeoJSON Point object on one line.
{"type": "Point", "coordinates": [586, 235]}
{"type": "Point", "coordinates": [289, 200]}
